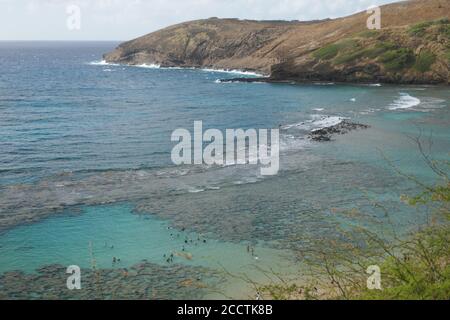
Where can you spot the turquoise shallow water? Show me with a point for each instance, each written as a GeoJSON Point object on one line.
{"type": "Point", "coordinates": [104, 232]}
{"type": "Point", "coordinates": [85, 161]}
{"type": "Point", "coordinates": [91, 237]}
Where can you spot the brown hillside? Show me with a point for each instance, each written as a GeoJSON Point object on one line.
{"type": "Point", "coordinates": [291, 50]}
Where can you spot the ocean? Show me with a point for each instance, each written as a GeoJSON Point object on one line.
{"type": "Point", "coordinates": [86, 173]}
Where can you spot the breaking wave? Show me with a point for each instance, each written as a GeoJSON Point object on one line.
{"type": "Point", "coordinates": [405, 101]}
{"type": "Point", "coordinates": [157, 66]}
{"type": "Point", "coordinates": [102, 63]}
{"type": "Point", "coordinates": [316, 123]}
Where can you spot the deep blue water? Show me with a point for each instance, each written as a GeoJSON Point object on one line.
{"type": "Point", "coordinates": [75, 132]}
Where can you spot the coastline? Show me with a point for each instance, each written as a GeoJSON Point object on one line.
{"type": "Point", "coordinates": [329, 82]}
{"type": "Point", "coordinates": [257, 76]}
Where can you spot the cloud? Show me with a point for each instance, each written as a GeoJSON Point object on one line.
{"type": "Point", "coordinates": [125, 19]}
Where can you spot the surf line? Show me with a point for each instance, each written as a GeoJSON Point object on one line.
{"type": "Point", "coordinates": [241, 147]}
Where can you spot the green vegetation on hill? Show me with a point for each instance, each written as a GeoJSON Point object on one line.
{"type": "Point", "coordinates": [392, 50]}
{"type": "Point", "coordinates": [378, 49]}
{"type": "Point", "coordinates": [445, 30]}
{"type": "Point", "coordinates": [368, 34]}
{"type": "Point", "coordinates": [393, 57]}
{"type": "Point", "coordinates": [420, 29]}
{"type": "Point", "coordinates": [327, 52]}
{"type": "Point", "coordinates": [398, 59]}
{"type": "Point", "coordinates": [330, 51]}
{"type": "Point", "coordinates": [424, 61]}
{"type": "Point", "coordinates": [370, 52]}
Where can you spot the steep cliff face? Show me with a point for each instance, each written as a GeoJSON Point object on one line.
{"type": "Point", "coordinates": [412, 47]}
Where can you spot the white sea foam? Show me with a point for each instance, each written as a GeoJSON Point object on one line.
{"type": "Point", "coordinates": [375, 85]}
{"type": "Point", "coordinates": [157, 66]}
{"type": "Point", "coordinates": [319, 109]}
{"type": "Point", "coordinates": [247, 180]}
{"type": "Point", "coordinates": [234, 71]}
{"type": "Point", "coordinates": [369, 111]}
{"type": "Point", "coordinates": [429, 104]}
{"type": "Point", "coordinates": [225, 81]}
{"type": "Point", "coordinates": [316, 123]}
{"type": "Point", "coordinates": [405, 101]}
{"type": "Point", "coordinates": [290, 142]}
{"type": "Point", "coordinates": [148, 66]}
{"type": "Point", "coordinates": [102, 63]}
{"type": "Point", "coordinates": [195, 190]}
{"type": "Point", "coordinates": [327, 122]}
{"type": "Point", "coordinates": [297, 141]}
{"type": "Point", "coordinates": [324, 83]}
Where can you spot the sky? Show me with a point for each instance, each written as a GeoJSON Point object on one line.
{"type": "Point", "coordinates": [127, 19]}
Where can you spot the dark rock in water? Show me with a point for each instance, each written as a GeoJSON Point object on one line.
{"type": "Point", "coordinates": [325, 134]}
{"type": "Point", "coordinates": [321, 138]}
{"type": "Point", "coordinates": [243, 79]}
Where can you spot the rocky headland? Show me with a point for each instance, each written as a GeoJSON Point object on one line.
{"type": "Point", "coordinates": [412, 47]}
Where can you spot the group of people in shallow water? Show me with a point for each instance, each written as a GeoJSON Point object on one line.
{"type": "Point", "coordinates": [114, 259]}
{"type": "Point", "coordinates": [187, 241]}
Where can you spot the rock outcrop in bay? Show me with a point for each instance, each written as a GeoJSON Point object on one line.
{"type": "Point", "coordinates": [344, 127]}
